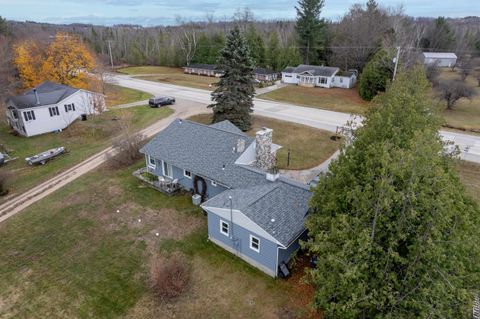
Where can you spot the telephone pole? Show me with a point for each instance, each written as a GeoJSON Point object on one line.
{"type": "Point", "coordinates": [396, 63]}
{"type": "Point", "coordinates": [110, 51]}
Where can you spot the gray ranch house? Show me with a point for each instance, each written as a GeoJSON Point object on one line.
{"type": "Point", "coordinates": [260, 74]}
{"type": "Point", "coordinates": [252, 211]}
{"type": "Point", "coordinates": [319, 76]}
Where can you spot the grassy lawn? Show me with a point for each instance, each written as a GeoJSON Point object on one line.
{"type": "Point", "coordinates": [116, 95]}
{"type": "Point", "coordinates": [466, 113]}
{"type": "Point", "coordinates": [82, 140]}
{"type": "Point", "coordinates": [170, 75]}
{"type": "Point", "coordinates": [334, 99]}
{"type": "Point", "coordinates": [308, 146]}
{"type": "Point", "coordinates": [72, 255]}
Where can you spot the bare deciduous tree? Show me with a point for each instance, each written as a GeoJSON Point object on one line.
{"type": "Point", "coordinates": [187, 39]}
{"type": "Point", "coordinates": [452, 91]}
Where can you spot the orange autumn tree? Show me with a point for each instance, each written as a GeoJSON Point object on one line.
{"type": "Point", "coordinates": [28, 59]}
{"type": "Point", "coordinates": [66, 60]}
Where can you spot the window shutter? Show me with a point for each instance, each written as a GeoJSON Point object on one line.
{"type": "Point", "coordinates": [25, 116]}
{"type": "Point", "coordinates": [33, 115]}
{"type": "Point", "coordinates": [66, 109]}
{"type": "Point", "coordinates": [73, 106]}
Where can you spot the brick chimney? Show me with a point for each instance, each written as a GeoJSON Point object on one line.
{"type": "Point", "coordinates": [264, 158]}
{"type": "Point", "coordinates": [240, 147]}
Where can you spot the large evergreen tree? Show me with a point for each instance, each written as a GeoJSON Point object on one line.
{"type": "Point", "coordinates": [235, 90]}
{"type": "Point", "coordinates": [394, 232]}
{"type": "Point", "coordinates": [311, 29]}
{"type": "Point", "coordinates": [375, 75]}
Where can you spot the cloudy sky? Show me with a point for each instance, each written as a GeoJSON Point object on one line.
{"type": "Point", "coordinates": [161, 12]}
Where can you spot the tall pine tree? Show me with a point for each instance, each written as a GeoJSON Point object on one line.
{"type": "Point", "coordinates": [395, 234]}
{"type": "Point", "coordinates": [235, 90]}
{"type": "Point", "coordinates": [311, 29]}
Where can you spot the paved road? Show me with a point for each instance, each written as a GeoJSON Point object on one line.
{"type": "Point", "coordinates": [328, 120]}
{"type": "Point", "coordinates": [182, 109]}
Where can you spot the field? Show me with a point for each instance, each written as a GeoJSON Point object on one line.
{"type": "Point", "coordinates": [308, 146]}
{"type": "Point", "coordinates": [466, 113]}
{"type": "Point", "coordinates": [81, 139]}
{"type": "Point", "coordinates": [470, 176]}
{"type": "Point", "coordinates": [335, 99]}
{"type": "Point", "coordinates": [171, 76]}
{"type": "Point", "coordinates": [72, 255]}
{"type": "Point", "coordinates": [116, 95]}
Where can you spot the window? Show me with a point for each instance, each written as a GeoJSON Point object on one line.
{"type": "Point", "coordinates": [151, 162]}
{"type": "Point", "coordinates": [53, 111]}
{"type": "Point", "coordinates": [29, 115]}
{"type": "Point", "coordinates": [187, 174]}
{"type": "Point", "coordinates": [69, 107]}
{"type": "Point", "coordinates": [255, 243]}
{"type": "Point", "coordinates": [323, 80]}
{"type": "Point", "coordinates": [167, 169]}
{"type": "Point", "coordinates": [341, 80]}
{"type": "Point", "coordinates": [214, 183]}
{"type": "Point", "coordinates": [224, 228]}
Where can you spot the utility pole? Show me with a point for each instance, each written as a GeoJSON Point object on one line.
{"type": "Point", "coordinates": [110, 51]}
{"type": "Point", "coordinates": [396, 63]}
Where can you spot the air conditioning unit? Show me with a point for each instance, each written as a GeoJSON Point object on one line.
{"type": "Point", "coordinates": [196, 199]}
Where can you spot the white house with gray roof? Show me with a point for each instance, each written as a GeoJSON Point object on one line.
{"type": "Point", "coordinates": [50, 107]}
{"type": "Point", "coordinates": [253, 212]}
{"type": "Point", "coordinates": [319, 76]}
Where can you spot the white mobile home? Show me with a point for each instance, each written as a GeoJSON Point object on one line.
{"type": "Point", "coordinates": [441, 59]}
{"type": "Point", "coordinates": [50, 107]}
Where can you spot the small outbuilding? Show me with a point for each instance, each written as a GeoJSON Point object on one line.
{"type": "Point", "coordinates": [440, 59]}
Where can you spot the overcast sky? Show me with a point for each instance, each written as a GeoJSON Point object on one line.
{"type": "Point", "coordinates": [160, 12]}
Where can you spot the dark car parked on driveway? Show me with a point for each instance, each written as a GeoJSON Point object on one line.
{"type": "Point", "coordinates": [161, 101]}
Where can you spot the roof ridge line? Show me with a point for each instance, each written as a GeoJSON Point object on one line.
{"type": "Point", "coordinates": [215, 128]}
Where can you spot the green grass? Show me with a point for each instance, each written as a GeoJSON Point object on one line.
{"type": "Point", "coordinates": [170, 75]}
{"type": "Point", "coordinates": [308, 146]}
{"type": "Point", "coordinates": [117, 95]}
{"type": "Point", "coordinates": [82, 140]}
{"type": "Point", "coordinates": [334, 99]}
{"type": "Point", "coordinates": [71, 255]}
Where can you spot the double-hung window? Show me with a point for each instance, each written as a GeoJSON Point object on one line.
{"type": "Point", "coordinates": [224, 228]}
{"type": "Point", "coordinates": [187, 174]}
{"type": "Point", "coordinates": [69, 107]}
{"type": "Point", "coordinates": [29, 115]}
{"type": "Point", "coordinates": [151, 162]}
{"type": "Point", "coordinates": [53, 111]}
{"type": "Point", "coordinates": [167, 169]}
{"type": "Point", "coordinates": [254, 243]}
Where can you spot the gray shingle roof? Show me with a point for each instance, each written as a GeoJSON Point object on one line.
{"type": "Point", "coordinates": [204, 150]}
{"type": "Point", "coordinates": [289, 69]}
{"type": "Point", "coordinates": [48, 93]}
{"type": "Point", "coordinates": [440, 55]}
{"type": "Point", "coordinates": [278, 207]}
{"type": "Point", "coordinates": [201, 66]}
{"type": "Point", "coordinates": [227, 126]}
{"type": "Point", "coordinates": [313, 69]}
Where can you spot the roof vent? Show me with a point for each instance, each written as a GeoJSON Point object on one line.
{"type": "Point", "coordinates": [180, 121]}
{"type": "Point", "coordinates": [272, 220]}
{"type": "Point", "coordinates": [36, 96]}
{"type": "Point", "coordinates": [223, 167]}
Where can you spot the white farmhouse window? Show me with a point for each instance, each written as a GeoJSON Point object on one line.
{"type": "Point", "coordinates": [167, 169]}
{"type": "Point", "coordinates": [29, 115]}
{"type": "Point", "coordinates": [254, 243]}
{"type": "Point", "coordinates": [224, 228]}
{"type": "Point", "coordinates": [151, 162]}
{"type": "Point", "coordinates": [187, 174]}
{"type": "Point", "coordinates": [69, 107]}
{"type": "Point", "coordinates": [53, 111]}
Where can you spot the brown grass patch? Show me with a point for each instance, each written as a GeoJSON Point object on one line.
{"type": "Point", "coordinates": [170, 276]}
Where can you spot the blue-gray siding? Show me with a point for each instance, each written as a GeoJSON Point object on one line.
{"type": "Point", "coordinates": [268, 250]}
{"type": "Point", "coordinates": [187, 183]}
{"type": "Point", "coordinates": [284, 255]}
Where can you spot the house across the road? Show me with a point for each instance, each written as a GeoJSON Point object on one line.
{"type": "Point", "coordinates": [261, 74]}
{"type": "Point", "coordinates": [50, 107]}
{"type": "Point", "coordinates": [440, 59]}
{"type": "Point", "coordinates": [253, 212]}
{"type": "Point", "coordinates": [321, 76]}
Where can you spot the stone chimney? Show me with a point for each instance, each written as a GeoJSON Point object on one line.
{"type": "Point", "coordinates": [264, 158]}
{"type": "Point", "coordinates": [240, 147]}
{"type": "Point", "coordinates": [36, 96]}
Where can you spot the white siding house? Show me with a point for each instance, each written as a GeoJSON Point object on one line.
{"type": "Point", "coordinates": [50, 107]}
{"type": "Point", "coordinates": [441, 59]}
{"type": "Point", "coordinates": [318, 76]}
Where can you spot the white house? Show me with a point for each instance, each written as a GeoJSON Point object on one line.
{"type": "Point", "coordinates": [441, 59]}
{"type": "Point", "coordinates": [322, 76]}
{"type": "Point", "coordinates": [50, 107]}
